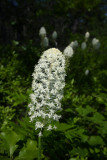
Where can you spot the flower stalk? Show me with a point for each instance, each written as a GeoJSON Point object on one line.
{"type": "Point", "coordinates": [39, 147]}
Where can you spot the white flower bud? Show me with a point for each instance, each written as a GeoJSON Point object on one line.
{"type": "Point", "coordinates": [68, 51]}
{"type": "Point", "coordinates": [96, 43]}
{"type": "Point", "coordinates": [83, 45]}
{"type": "Point", "coordinates": [86, 72]}
{"type": "Point", "coordinates": [97, 46]}
{"type": "Point", "coordinates": [47, 86]}
{"type": "Point", "coordinates": [87, 35]}
{"type": "Point", "coordinates": [45, 42]}
{"type": "Point", "coordinates": [54, 35]}
{"type": "Point", "coordinates": [42, 32]}
{"type": "Point", "coordinates": [74, 44]}
{"type": "Point", "coordinates": [15, 42]}
{"type": "Point", "coordinates": [71, 44]}
{"type": "Point", "coordinates": [40, 134]}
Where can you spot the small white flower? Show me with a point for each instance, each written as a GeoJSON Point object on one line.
{"type": "Point", "coordinates": [54, 127]}
{"type": "Point", "coordinates": [49, 128]}
{"type": "Point", "coordinates": [56, 117]}
{"type": "Point", "coordinates": [68, 51]}
{"type": "Point", "coordinates": [39, 125]}
{"type": "Point", "coordinates": [40, 134]}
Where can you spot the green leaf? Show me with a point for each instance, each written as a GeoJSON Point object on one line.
{"type": "Point", "coordinates": [84, 138]}
{"type": "Point", "coordinates": [63, 126]}
{"type": "Point", "coordinates": [95, 140]}
{"type": "Point", "coordinates": [29, 151]}
{"type": "Point", "coordinates": [85, 111]}
{"type": "Point", "coordinates": [4, 158]}
{"type": "Point", "coordinates": [97, 118]}
{"type": "Point", "coordinates": [10, 140]}
{"type": "Point", "coordinates": [80, 151]}
{"type": "Point", "coordinates": [18, 98]}
{"type": "Point", "coordinates": [104, 127]}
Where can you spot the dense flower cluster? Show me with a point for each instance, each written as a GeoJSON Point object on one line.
{"type": "Point", "coordinates": [47, 86]}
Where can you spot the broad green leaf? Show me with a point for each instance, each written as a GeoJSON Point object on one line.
{"type": "Point", "coordinates": [95, 140]}
{"type": "Point", "coordinates": [97, 118]}
{"type": "Point", "coordinates": [97, 150]}
{"type": "Point", "coordinates": [11, 138]}
{"type": "Point", "coordinates": [63, 126]}
{"type": "Point", "coordinates": [29, 151]}
{"type": "Point", "coordinates": [84, 138]}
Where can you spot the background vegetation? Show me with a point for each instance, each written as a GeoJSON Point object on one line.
{"type": "Point", "coordinates": [82, 130]}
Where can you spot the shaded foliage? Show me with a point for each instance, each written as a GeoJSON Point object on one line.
{"type": "Point", "coordinates": [82, 130]}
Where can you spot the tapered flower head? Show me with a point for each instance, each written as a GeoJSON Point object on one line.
{"type": "Point", "coordinates": [87, 35]}
{"type": "Point", "coordinates": [47, 86]}
{"type": "Point", "coordinates": [42, 32]}
{"type": "Point", "coordinates": [54, 35]}
{"type": "Point", "coordinates": [86, 72]}
{"type": "Point", "coordinates": [68, 51]}
{"type": "Point", "coordinates": [45, 42]}
{"type": "Point", "coordinates": [96, 43]}
{"type": "Point", "coordinates": [74, 44]}
{"type": "Point", "coordinates": [83, 45]}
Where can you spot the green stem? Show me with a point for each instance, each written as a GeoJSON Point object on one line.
{"type": "Point", "coordinates": [39, 147]}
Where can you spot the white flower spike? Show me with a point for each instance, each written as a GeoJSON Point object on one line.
{"type": "Point", "coordinates": [47, 86]}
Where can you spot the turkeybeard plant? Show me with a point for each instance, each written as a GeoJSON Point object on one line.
{"type": "Point", "coordinates": [47, 86]}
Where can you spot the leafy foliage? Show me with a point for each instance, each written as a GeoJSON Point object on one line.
{"type": "Point", "coordinates": [28, 152]}
{"type": "Point", "coordinates": [81, 133]}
